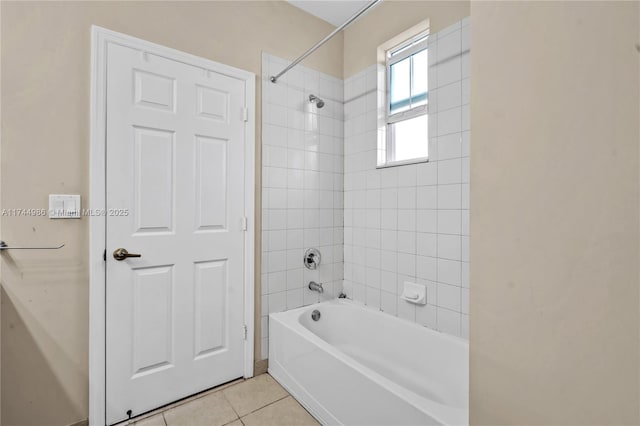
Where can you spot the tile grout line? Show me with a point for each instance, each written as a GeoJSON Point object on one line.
{"type": "Point", "coordinates": [436, 304]}
{"type": "Point", "coordinates": [461, 130]}
{"type": "Point", "coordinates": [232, 407]}
{"type": "Point", "coordinates": [265, 406]}
{"type": "Point", "coordinates": [179, 403]}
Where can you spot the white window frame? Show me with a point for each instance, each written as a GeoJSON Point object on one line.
{"type": "Point", "coordinates": [390, 59]}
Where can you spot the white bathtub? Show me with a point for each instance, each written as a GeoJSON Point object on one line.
{"type": "Point", "coordinates": [357, 366]}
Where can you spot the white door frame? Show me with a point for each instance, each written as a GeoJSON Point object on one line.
{"type": "Point", "coordinates": [100, 38]}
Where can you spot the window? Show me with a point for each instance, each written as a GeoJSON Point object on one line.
{"type": "Point", "coordinates": [407, 138]}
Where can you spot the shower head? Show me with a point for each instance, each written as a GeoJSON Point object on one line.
{"type": "Point", "coordinates": [314, 99]}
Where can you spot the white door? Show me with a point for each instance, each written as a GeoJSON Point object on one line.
{"type": "Point", "coordinates": [175, 195]}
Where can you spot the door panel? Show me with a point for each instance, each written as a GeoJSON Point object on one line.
{"type": "Point", "coordinates": [154, 168]}
{"type": "Point", "coordinates": [213, 104]}
{"type": "Point", "coordinates": [175, 162]}
{"type": "Point", "coordinates": [154, 90]}
{"type": "Point", "coordinates": [152, 319]}
{"type": "Point", "coordinates": [210, 308]}
{"type": "Point", "coordinates": [211, 183]}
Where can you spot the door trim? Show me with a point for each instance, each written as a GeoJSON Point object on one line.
{"type": "Point", "coordinates": [100, 38]}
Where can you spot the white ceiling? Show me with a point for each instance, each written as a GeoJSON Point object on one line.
{"type": "Point", "coordinates": [333, 11]}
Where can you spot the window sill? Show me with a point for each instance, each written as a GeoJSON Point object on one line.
{"type": "Point", "coordinates": [403, 162]}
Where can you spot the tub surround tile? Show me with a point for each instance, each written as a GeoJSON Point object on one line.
{"type": "Point", "coordinates": [426, 315]}
{"type": "Point", "coordinates": [303, 186]}
{"type": "Point", "coordinates": [449, 321]}
{"type": "Point", "coordinates": [450, 96]}
{"type": "Point", "coordinates": [449, 296]}
{"type": "Point", "coordinates": [389, 303]}
{"type": "Point", "coordinates": [464, 326]}
{"type": "Point", "coordinates": [406, 310]}
{"type": "Point", "coordinates": [423, 209]}
{"type": "Point", "coordinates": [376, 228]}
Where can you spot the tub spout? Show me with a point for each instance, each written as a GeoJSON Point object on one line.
{"type": "Point", "coordinates": [314, 286]}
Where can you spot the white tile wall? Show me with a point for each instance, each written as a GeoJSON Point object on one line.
{"type": "Point", "coordinates": [376, 228]}
{"type": "Point", "coordinates": [411, 223]}
{"type": "Point", "coordinates": [302, 187]}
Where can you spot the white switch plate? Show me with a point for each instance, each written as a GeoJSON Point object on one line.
{"type": "Point", "coordinates": [64, 206]}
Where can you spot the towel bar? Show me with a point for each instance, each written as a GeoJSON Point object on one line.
{"type": "Point", "coordinates": [4, 246]}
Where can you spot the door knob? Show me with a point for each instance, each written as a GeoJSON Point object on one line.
{"type": "Point", "coordinates": [122, 254]}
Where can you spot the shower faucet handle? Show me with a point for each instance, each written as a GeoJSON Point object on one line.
{"type": "Point", "coordinates": [311, 258]}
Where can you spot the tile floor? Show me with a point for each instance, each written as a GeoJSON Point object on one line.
{"type": "Point", "coordinates": [259, 401]}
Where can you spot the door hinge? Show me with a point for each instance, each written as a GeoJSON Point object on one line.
{"type": "Point", "coordinates": [244, 330]}
{"type": "Point", "coordinates": [244, 223]}
{"type": "Point", "coordinates": [245, 114]}
{"type": "Point", "coordinates": [104, 255]}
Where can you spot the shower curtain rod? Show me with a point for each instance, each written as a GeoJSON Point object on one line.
{"type": "Point", "coordinates": [359, 13]}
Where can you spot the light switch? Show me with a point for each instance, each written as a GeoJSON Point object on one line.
{"type": "Point", "coordinates": [63, 206]}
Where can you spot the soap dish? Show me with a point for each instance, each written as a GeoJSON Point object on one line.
{"type": "Point", "coordinates": [414, 293]}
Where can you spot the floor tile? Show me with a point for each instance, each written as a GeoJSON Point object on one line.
{"type": "Point", "coordinates": [254, 394]}
{"type": "Point", "coordinates": [156, 420]}
{"type": "Point", "coordinates": [235, 423]}
{"type": "Point", "coordinates": [286, 412]}
{"type": "Point", "coordinates": [210, 410]}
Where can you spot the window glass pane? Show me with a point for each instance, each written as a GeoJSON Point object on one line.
{"type": "Point", "coordinates": [400, 85]}
{"type": "Point", "coordinates": [420, 76]}
{"type": "Point", "coordinates": [411, 138]}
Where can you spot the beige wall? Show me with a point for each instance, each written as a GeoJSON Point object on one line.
{"type": "Point", "coordinates": [45, 145]}
{"type": "Point", "coordinates": [390, 18]}
{"type": "Point", "coordinates": [554, 194]}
